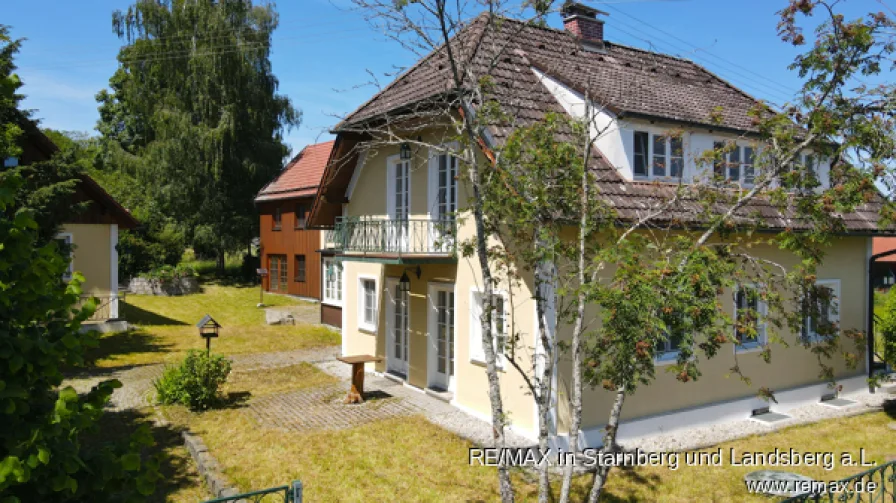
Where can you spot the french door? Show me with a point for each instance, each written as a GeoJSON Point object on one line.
{"type": "Point", "coordinates": [399, 206]}
{"type": "Point", "coordinates": [397, 329]}
{"type": "Point", "coordinates": [441, 336]}
{"type": "Point", "coordinates": [443, 170]}
{"type": "Point", "coordinates": [277, 273]}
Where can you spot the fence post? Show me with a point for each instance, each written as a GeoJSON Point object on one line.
{"type": "Point", "coordinates": [297, 491]}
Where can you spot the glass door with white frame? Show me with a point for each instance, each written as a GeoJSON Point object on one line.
{"type": "Point", "coordinates": [397, 330]}
{"type": "Point", "coordinates": [441, 348]}
{"type": "Point", "coordinates": [400, 206]}
{"type": "Point", "coordinates": [444, 173]}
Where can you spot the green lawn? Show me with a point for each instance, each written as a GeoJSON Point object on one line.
{"type": "Point", "coordinates": [410, 459]}
{"type": "Point", "coordinates": [167, 327]}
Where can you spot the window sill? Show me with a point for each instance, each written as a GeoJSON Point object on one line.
{"type": "Point", "coordinates": [748, 348]}
{"type": "Point", "coordinates": [297, 280]}
{"type": "Point", "coordinates": [331, 303]}
{"type": "Point", "coordinates": [368, 329]}
{"type": "Point", "coordinates": [666, 359]}
{"type": "Point", "coordinates": [276, 229]}
{"type": "Point", "coordinates": [480, 363]}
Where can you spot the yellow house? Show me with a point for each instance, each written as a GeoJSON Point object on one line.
{"type": "Point", "coordinates": [92, 234]}
{"type": "Point", "coordinates": [395, 214]}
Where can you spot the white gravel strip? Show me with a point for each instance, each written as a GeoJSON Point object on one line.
{"type": "Point", "coordinates": [706, 436]}
{"type": "Point", "coordinates": [474, 429]}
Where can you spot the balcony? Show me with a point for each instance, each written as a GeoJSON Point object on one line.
{"type": "Point", "coordinates": [396, 241]}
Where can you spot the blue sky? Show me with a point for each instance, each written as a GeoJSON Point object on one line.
{"type": "Point", "coordinates": [322, 52]}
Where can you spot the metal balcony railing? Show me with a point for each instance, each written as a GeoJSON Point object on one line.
{"type": "Point", "coordinates": [393, 236]}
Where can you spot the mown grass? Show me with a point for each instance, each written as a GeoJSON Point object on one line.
{"type": "Point", "coordinates": [725, 483]}
{"type": "Point", "coordinates": [277, 380]}
{"type": "Point", "coordinates": [167, 327]}
{"type": "Point", "coordinates": [410, 459]}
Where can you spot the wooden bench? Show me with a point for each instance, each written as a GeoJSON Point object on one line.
{"type": "Point", "coordinates": [356, 393]}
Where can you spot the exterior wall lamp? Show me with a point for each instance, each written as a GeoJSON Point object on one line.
{"type": "Point", "coordinates": [405, 152]}
{"type": "Point", "coordinates": [404, 284]}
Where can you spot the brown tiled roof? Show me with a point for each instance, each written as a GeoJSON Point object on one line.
{"type": "Point", "coordinates": [626, 80]}
{"type": "Point", "coordinates": [301, 176]}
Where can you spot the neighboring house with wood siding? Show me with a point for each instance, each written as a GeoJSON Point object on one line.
{"type": "Point", "coordinates": [396, 214]}
{"type": "Point", "coordinates": [884, 267]}
{"type": "Point", "coordinates": [290, 251]}
{"type": "Point", "coordinates": [92, 234]}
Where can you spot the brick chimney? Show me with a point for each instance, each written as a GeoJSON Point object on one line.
{"type": "Point", "coordinates": [582, 21]}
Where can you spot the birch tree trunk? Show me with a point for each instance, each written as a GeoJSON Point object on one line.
{"type": "Point", "coordinates": [600, 476]}
{"type": "Point", "coordinates": [544, 364]}
{"type": "Point", "coordinates": [575, 394]}
{"type": "Point", "coordinates": [488, 337]}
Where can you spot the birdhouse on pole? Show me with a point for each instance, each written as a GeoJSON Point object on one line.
{"type": "Point", "coordinates": [208, 328]}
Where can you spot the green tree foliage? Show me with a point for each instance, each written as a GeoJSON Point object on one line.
{"type": "Point", "coordinates": [42, 457]}
{"type": "Point", "coordinates": [192, 116]}
{"type": "Point", "coordinates": [886, 326]}
{"type": "Point", "coordinates": [42, 453]}
{"type": "Point", "coordinates": [158, 241]}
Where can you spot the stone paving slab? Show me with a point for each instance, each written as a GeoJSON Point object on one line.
{"type": "Point", "coordinates": [324, 408]}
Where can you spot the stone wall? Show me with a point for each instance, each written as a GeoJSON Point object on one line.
{"type": "Point", "coordinates": [180, 286]}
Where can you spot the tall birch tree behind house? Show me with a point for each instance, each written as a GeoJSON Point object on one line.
{"type": "Point", "coordinates": [194, 115]}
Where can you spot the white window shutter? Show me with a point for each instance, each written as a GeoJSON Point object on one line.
{"type": "Point", "coordinates": [390, 188]}
{"type": "Point", "coordinates": [476, 352]}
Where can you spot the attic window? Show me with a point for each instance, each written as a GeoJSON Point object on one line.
{"type": "Point", "coordinates": [541, 46]}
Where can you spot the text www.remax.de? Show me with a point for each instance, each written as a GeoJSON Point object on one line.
{"type": "Point", "coordinates": [810, 486]}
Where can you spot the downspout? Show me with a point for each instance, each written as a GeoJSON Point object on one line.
{"type": "Point", "coordinates": [870, 337]}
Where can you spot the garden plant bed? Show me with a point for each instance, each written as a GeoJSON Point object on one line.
{"type": "Point", "coordinates": [165, 287]}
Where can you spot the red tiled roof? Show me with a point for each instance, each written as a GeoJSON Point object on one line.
{"type": "Point", "coordinates": [301, 176]}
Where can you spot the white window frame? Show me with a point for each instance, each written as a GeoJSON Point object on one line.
{"type": "Point", "coordinates": [813, 337]}
{"type": "Point", "coordinates": [761, 325]}
{"type": "Point", "coordinates": [362, 304]}
{"type": "Point", "coordinates": [70, 241]}
{"type": "Point", "coordinates": [432, 375]}
{"type": "Point", "coordinates": [741, 162]}
{"type": "Point", "coordinates": [477, 353]}
{"type": "Point", "coordinates": [334, 286]}
{"type": "Point", "coordinates": [433, 178]}
{"type": "Point", "coordinates": [651, 136]}
{"type": "Point", "coordinates": [667, 356]}
{"type": "Point", "coordinates": [391, 162]}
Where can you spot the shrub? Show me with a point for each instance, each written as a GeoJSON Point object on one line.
{"type": "Point", "coordinates": [167, 273]}
{"type": "Point", "coordinates": [195, 382]}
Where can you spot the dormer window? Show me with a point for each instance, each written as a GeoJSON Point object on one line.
{"type": "Point", "coordinates": [738, 165]}
{"type": "Point", "coordinates": [657, 156]}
